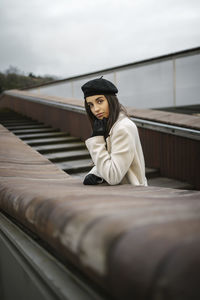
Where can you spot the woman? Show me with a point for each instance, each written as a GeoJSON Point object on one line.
{"type": "Point", "coordinates": [114, 146]}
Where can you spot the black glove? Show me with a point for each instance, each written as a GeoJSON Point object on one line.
{"type": "Point", "coordinates": [92, 179]}
{"type": "Point", "coordinates": [99, 127]}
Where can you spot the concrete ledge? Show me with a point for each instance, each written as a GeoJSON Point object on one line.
{"type": "Point", "coordinates": [136, 243]}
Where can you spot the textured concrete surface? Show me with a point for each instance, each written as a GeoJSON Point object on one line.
{"type": "Point", "coordinates": [135, 242]}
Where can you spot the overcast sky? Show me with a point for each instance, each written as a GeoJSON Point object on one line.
{"type": "Point", "coordinates": [72, 37]}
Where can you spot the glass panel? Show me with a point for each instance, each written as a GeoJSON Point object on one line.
{"type": "Point", "coordinates": [148, 86]}
{"type": "Point", "coordinates": [63, 89]}
{"type": "Point", "coordinates": [188, 80]}
{"type": "Point", "coordinates": [144, 86]}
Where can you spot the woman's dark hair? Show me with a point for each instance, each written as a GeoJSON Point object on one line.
{"type": "Point", "coordinates": [114, 109]}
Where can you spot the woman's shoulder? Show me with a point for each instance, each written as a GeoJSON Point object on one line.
{"type": "Point", "coordinates": [124, 120]}
{"type": "Point", "coordinates": [124, 123]}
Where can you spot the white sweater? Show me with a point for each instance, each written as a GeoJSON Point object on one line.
{"type": "Point", "coordinates": [120, 159]}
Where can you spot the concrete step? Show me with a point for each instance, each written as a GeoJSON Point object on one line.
{"type": "Point", "coordinates": [169, 182]}
{"type": "Point", "coordinates": [24, 127]}
{"type": "Point", "coordinates": [75, 166]}
{"type": "Point", "coordinates": [21, 123]}
{"type": "Point", "coordinates": [50, 141]}
{"type": "Point", "coordinates": [6, 122]}
{"type": "Point", "coordinates": [44, 135]}
{"type": "Point", "coordinates": [12, 118]}
{"type": "Point", "coordinates": [28, 131]}
{"type": "Point", "coordinates": [59, 147]}
{"type": "Point", "coordinates": [68, 155]}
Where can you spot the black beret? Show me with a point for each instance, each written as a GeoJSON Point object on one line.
{"type": "Point", "coordinates": [99, 86]}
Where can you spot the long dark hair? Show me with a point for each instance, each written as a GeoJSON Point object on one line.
{"type": "Point", "coordinates": [114, 109]}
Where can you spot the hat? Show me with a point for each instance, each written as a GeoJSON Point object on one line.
{"type": "Point", "coordinates": [99, 86]}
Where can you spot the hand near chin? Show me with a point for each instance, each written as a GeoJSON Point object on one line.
{"type": "Point", "coordinates": [99, 127]}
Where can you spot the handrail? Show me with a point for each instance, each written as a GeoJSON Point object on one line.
{"type": "Point", "coordinates": [166, 128]}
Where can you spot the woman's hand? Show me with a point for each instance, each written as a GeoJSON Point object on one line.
{"type": "Point", "coordinates": [92, 179]}
{"type": "Point", "coordinates": [99, 127]}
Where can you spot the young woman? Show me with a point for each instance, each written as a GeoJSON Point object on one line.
{"type": "Point", "coordinates": [115, 145]}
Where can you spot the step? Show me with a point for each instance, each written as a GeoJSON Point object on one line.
{"type": "Point", "coordinates": [67, 155]}
{"type": "Point", "coordinates": [55, 140]}
{"type": "Point", "coordinates": [12, 118]}
{"type": "Point", "coordinates": [28, 131]}
{"type": "Point", "coordinates": [75, 166]}
{"type": "Point", "coordinates": [23, 123]}
{"type": "Point", "coordinates": [59, 147]}
{"type": "Point", "coordinates": [44, 135]}
{"type": "Point", "coordinates": [24, 127]}
{"type": "Point", "coordinates": [169, 182]}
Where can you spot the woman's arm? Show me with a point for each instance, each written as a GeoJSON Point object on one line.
{"type": "Point", "coordinates": [113, 167]}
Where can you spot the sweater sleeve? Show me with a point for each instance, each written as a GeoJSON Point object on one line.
{"type": "Point", "coordinates": [112, 166]}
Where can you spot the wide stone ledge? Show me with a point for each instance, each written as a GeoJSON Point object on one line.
{"type": "Point", "coordinates": [135, 242]}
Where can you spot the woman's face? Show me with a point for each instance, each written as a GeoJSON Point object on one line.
{"type": "Point", "coordinates": [99, 106]}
